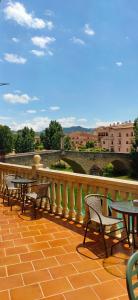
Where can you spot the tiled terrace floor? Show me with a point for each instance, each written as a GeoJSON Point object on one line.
{"type": "Point", "coordinates": [38, 260]}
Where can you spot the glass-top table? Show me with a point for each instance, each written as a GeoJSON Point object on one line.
{"type": "Point", "coordinates": [129, 210]}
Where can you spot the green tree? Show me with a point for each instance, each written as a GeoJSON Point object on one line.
{"type": "Point", "coordinates": [108, 170]}
{"type": "Point", "coordinates": [25, 141]}
{"type": "Point", "coordinates": [89, 144]}
{"type": "Point", "coordinates": [135, 142]}
{"type": "Point", "coordinates": [134, 151]}
{"type": "Point", "coordinates": [6, 139]}
{"type": "Point", "coordinates": [51, 137]}
{"type": "Point", "coordinates": [67, 143]}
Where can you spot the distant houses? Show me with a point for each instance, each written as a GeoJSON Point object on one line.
{"type": "Point", "coordinates": [117, 137]}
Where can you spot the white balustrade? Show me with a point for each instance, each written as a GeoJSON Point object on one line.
{"type": "Point", "coordinates": [68, 189]}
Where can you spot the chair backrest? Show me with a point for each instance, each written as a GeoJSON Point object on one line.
{"type": "Point", "coordinates": [41, 189]}
{"type": "Point", "coordinates": [94, 201]}
{"type": "Point", "coordinates": [8, 180]}
{"type": "Point", "coordinates": [132, 276]}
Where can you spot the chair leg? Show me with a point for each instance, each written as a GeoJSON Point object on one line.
{"type": "Point", "coordinates": [105, 246]}
{"type": "Point", "coordinates": [8, 199]}
{"type": "Point", "coordinates": [34, 207]}
{"type": "Point", "coordinates": [86, 231]}
{"type": "Point", "coordinates": [4, 194]}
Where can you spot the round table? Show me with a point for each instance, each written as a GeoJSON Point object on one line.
{"type": "Point", "coordinates": [128, 208]}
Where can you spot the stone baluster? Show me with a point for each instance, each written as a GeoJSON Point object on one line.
{"type": "Point", "coordinates": [79, 216]}
{"type": "Point", "coordinates": [94, 190]}
{"type": "Point", "coordinates": [58, 198]}
{"type": "Point", "coordinates": [36, 165]}
{"type": "Point", "coordinates": [53, 196]}
{"type": "Point", "coordinates": [72, 212]}
{"type": "Point", "coordinates": [134, 196]}
{"type": "Point", "coordinates": [65, 200]}
{"type": "Point", "coordinates": [105, 202]}
{"type": "Point", "coordinates": [88, 189]}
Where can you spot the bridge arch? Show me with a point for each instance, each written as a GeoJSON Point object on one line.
{"type": "Point", "coordinates": [95, 170]}
{"type": "Point", "coordinates": [76, 167]}
{"type": "Point", "coordinates": [119, 167]}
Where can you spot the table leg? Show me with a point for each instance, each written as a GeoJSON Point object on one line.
{"type": "Point", "coordinates": [133, 232]}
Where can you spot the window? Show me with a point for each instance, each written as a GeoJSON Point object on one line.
{"type": "Point", "coordinates": [127, 142]}
{"type": "Point", "coordinates": [127, 134]}
{"type": "Point", "coordinates": [131, 133]}
{"type": "Point", "coordinates": [119, 134]}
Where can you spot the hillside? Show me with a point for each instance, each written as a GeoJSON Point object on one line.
{"type": "Point", "coordinates": [77, 128]}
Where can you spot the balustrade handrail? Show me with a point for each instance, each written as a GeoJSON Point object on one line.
{"type": "Point", "coordinates": [68, 189]}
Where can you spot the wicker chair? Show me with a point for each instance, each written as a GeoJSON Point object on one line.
{"type": "Point", "coordinates": [38, 197]}
{"type": "Point", "coordinates": [11, 192]}
{"type": "Point", "coordinates": [94, 204]}
{"type": "Point", "coordinates": [132, 276]}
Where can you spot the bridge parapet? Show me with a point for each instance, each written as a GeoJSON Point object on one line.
{"type": "Point", "coordinates": [81, 162]}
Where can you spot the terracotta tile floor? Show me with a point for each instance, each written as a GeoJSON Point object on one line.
{"type": "Point", "coordinates": [45, 259]}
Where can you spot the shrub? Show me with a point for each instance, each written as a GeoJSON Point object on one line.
{"type": "Point", "coordinates": [108, 170]}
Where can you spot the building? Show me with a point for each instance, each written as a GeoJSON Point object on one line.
{"type": "Point", "coordinates": [117, 137]}
{"type": "Point", "coordinates": [79, 139]}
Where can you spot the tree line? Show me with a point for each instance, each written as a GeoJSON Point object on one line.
{"type": "Point", "coordinates": [24, 140]}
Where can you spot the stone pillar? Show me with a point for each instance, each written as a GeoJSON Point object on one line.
{"type": "Point", "coordinates": [62, 143]}
{"type": "Point", "coordinates": [36, 165]}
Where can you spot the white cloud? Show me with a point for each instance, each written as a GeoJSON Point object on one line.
{"type": "Point", "coordinates": [100, 123]}
{"type": "Point", "coordinates": [38, 124]}
{"type": "Point", "coordinates": [88, 30]}
{"type": "Point", "coordinates": [34, 98]}
{"type": "Point", "coordinates": [54, 108]}
{"type": "Point", "coordinates": [17, 12]}
{"type": "Point", "coordinates": [119, 63]}
{"type": "Point", "coordinates": [14, 58]}
{"type": "Point", "coordinates": [70, 121]}
{"type": "Point", "coordinates": [50, 53]}
{"type": "Point", "coordinates": [49, 25]}
{"type": "Point", "coordinates": [38, 53]}
{"type": "Point", "coordinates": [43, 110]}
{"type": "Point", "coordinates": [82, 120]}
{"type": "Point", "coordinates": [42, 41]}
{"type": "Point", "coordinates": [15, 40]}
{"type": "Point", "coordinates": [78, 41]}
{"type": "Point", "coordinates": [17, 98]}
{"type": "Point", "coordinates": [31, 111]}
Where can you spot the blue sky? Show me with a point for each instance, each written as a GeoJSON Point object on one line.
{"type": "Point", "coordinates": [71, 61]}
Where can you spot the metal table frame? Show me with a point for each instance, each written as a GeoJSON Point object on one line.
{"type": "Point", "coordinates": [127, 208]}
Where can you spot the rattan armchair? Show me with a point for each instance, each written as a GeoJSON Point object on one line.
{"type": "Point", "coordinates": [132, 276]}
{"type": "Point", "coordinates": [11, 191]}
{"type": "Point", "coordinates": [38, 197]}
{"type": "Point", "coordinates": [94, 204]}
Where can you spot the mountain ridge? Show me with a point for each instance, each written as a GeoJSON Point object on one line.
{"type": "Point", "coordinates": [77, 128]}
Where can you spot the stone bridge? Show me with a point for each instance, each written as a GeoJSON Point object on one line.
{"type": "Point", "coordinates": [80, 162]}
